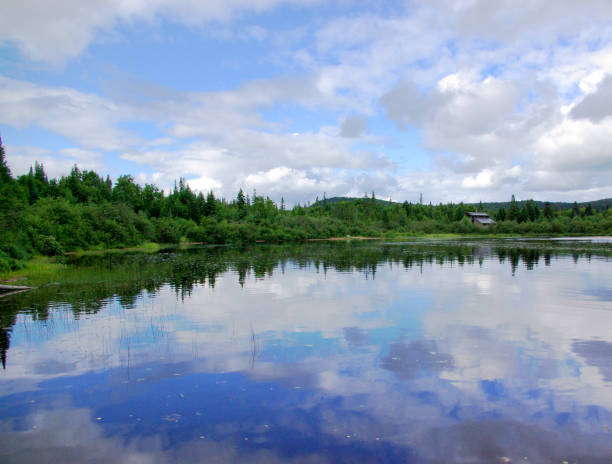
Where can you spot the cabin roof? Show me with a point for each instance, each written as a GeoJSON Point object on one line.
{"type": "Point", "coordinates": [480, 217]}
{"type": "Point", "coordinates": [477, 213]}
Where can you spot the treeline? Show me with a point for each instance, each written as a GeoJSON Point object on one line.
{"type": "Point", "coordinates": [83, 210]}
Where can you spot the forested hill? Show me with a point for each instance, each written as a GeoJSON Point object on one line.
{"type": "Point", "coordinates": [333, 200]}
{"type": "Point", "coordinates": [84, 210]}
{"type": "Point", "coordinates": [599, 205]}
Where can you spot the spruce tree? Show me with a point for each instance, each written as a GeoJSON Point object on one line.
{"type": "Point", "coordinates": [548, 211]}
{"type": "Point", "coordinates": [5, 172]}
{"type": "Point", "coordinates": [513, 210]}
{"type": "Point", "coordinates": [210, 207]}
{"type": "Point", "coordinates": [575, 210]}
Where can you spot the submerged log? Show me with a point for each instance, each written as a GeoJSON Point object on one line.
{"type": "Point", "coordinates": [6, 290]}
{"type": "Point", "coordinates": [11, 288]}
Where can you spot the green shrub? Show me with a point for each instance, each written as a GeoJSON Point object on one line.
{"type": "Point", "coordinates": [49, 246]}
{"type": "Point", "coordinates": [7, 263]}
{"type": "Point", "coordinates": [165, 231]}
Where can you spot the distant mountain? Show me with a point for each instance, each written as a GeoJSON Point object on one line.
{"type": "Point", "coordinates": [339, 199]}
{"type": "Point", "coordinates": [560, 205]}
{"type": "Point", "coordinates": [494, 206]}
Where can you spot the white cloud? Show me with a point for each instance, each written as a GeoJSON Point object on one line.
{"type": "Point", "coordinates": [235, 141]}
{"type": "Point", "coordinates": [573, 145]}
{"type": "Point", "coordinates": [507, 20]}
{"type": "Point", "coordinates": [501, 98]}
{"type": "Point", "coordinates": [597, 103]}
{"type": "Point", "coordinates": [282, 179]}
{"type": "Point", "coordinates": [296, 167]}
{"type": "Point", "coordinates": [479, 126]}
{"type": "Point", "coordinates": [82, 117]}
{"type": "Point", "coordinates": [481, 180]}
{"type": "Point", "coordinates": [21, 158]}
{"type": "Point", "coordinates": [57, 31]}
{"type": "Point", "coordinates": [471, 117]}
{"type": "Point", "coordinates": [353, 126]}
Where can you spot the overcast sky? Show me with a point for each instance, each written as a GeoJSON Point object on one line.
{"type": "Point", "coordinates": [462, 100]}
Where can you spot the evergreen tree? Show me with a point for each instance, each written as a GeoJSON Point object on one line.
{"type": "Point", "coordinates": [575, 210]}
{"type": "Point", "coordinates": [128, 192]}
{"type": "Point", "coordinates": [513, 210]}
{"type": "Point", "coordinates": [548, 211]}
{"type": "Point", "coordinates": [39, 173]}
{"type": "Point", "coordinates": [242, 204]}
{"type": "Point", "coordinates": [210, 207]}
{"type": "Point", "coordinates": [500, 215]}
{"type": "Point", "coordinates": [152, 199]}
{"type": "Point", "coordinates": [532, 210]}
{"type": "Point", "coordinates": [5, 172]}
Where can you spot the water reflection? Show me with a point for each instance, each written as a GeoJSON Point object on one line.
{"type": "Point", "coordinates": [416, 358]}
{"type": "Point", "coordinates": [422, 352]}
{"type": "Point", "coordinates": [596, 353]}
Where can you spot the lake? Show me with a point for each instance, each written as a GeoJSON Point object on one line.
{"type": "Point", "coordinates": [425, 351]}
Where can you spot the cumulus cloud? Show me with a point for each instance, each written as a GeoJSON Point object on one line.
{"type": "Point", "coordinates": [508, 20]}
{"type": "Point", "coordinates": [481, 180]}
{"type": "Point", "coordinates": [597, 105]}
{"type": "Point", "coordinates": [483, 127]}
{"type": "Point", "coordinates": [573, 145]}
{"type": "Point", "coordinates": [501, 98]}
{"type": "Point", "coordinates": [56, 164]}
{"type": "Point", "coordinates": [353, 126]}
{"type": "Point", "coordinates": [236, 147]}
{"type": "Point", "coordinates": [281, 179]}
{"type": "Point", "coordinates": [484, 85]}
{"type": "Point", "coordinates": [475, 118]}
{"type": "Point", "coordinates": [298, 167]}
{"type": "Point", "coordinates": [55, 32]}
{"type": "Point", "coordinates": [82, 117]}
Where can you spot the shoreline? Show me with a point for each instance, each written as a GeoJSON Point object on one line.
{"type": "Point", "coordinates": [41, 269]}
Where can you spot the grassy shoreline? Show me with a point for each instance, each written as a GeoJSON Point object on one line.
{"type": "Point", "coordinates": [147, 247]}
{"type": "Point", "coordinates": [40, 270]}
{"type": "Point", "coordinates": [35, 270]}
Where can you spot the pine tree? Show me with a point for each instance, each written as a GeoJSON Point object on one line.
{"type": "Point", "coordinates": [548, 211]}
{"type": "Point", "coordinates": [241, 202]}
{"type": "Point", "coordinates": [513, 210]}
{"type": "Point", "coordinates": [39, 172]}
{"type": "Point", "coordinates": [5, 172]}
{"type": "Point", "coordinates": [210, 207]}
{"type": "Point", "coordinates": [240, 199]}
{"type": "Point", "coordinates": [575, 210]}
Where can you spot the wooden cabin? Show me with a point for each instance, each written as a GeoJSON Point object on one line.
{"type": "Point", "coordinates": [479, 218]}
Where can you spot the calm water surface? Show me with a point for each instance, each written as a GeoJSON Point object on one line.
{"type": "Point", "coordinates": [472, 351]}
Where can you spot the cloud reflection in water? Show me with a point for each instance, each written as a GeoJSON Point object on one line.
{"type": "Point", "coordinates": [483, 361]}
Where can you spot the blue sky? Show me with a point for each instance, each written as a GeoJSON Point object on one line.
{"type": "Point", "coordinates": [460, 100]}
